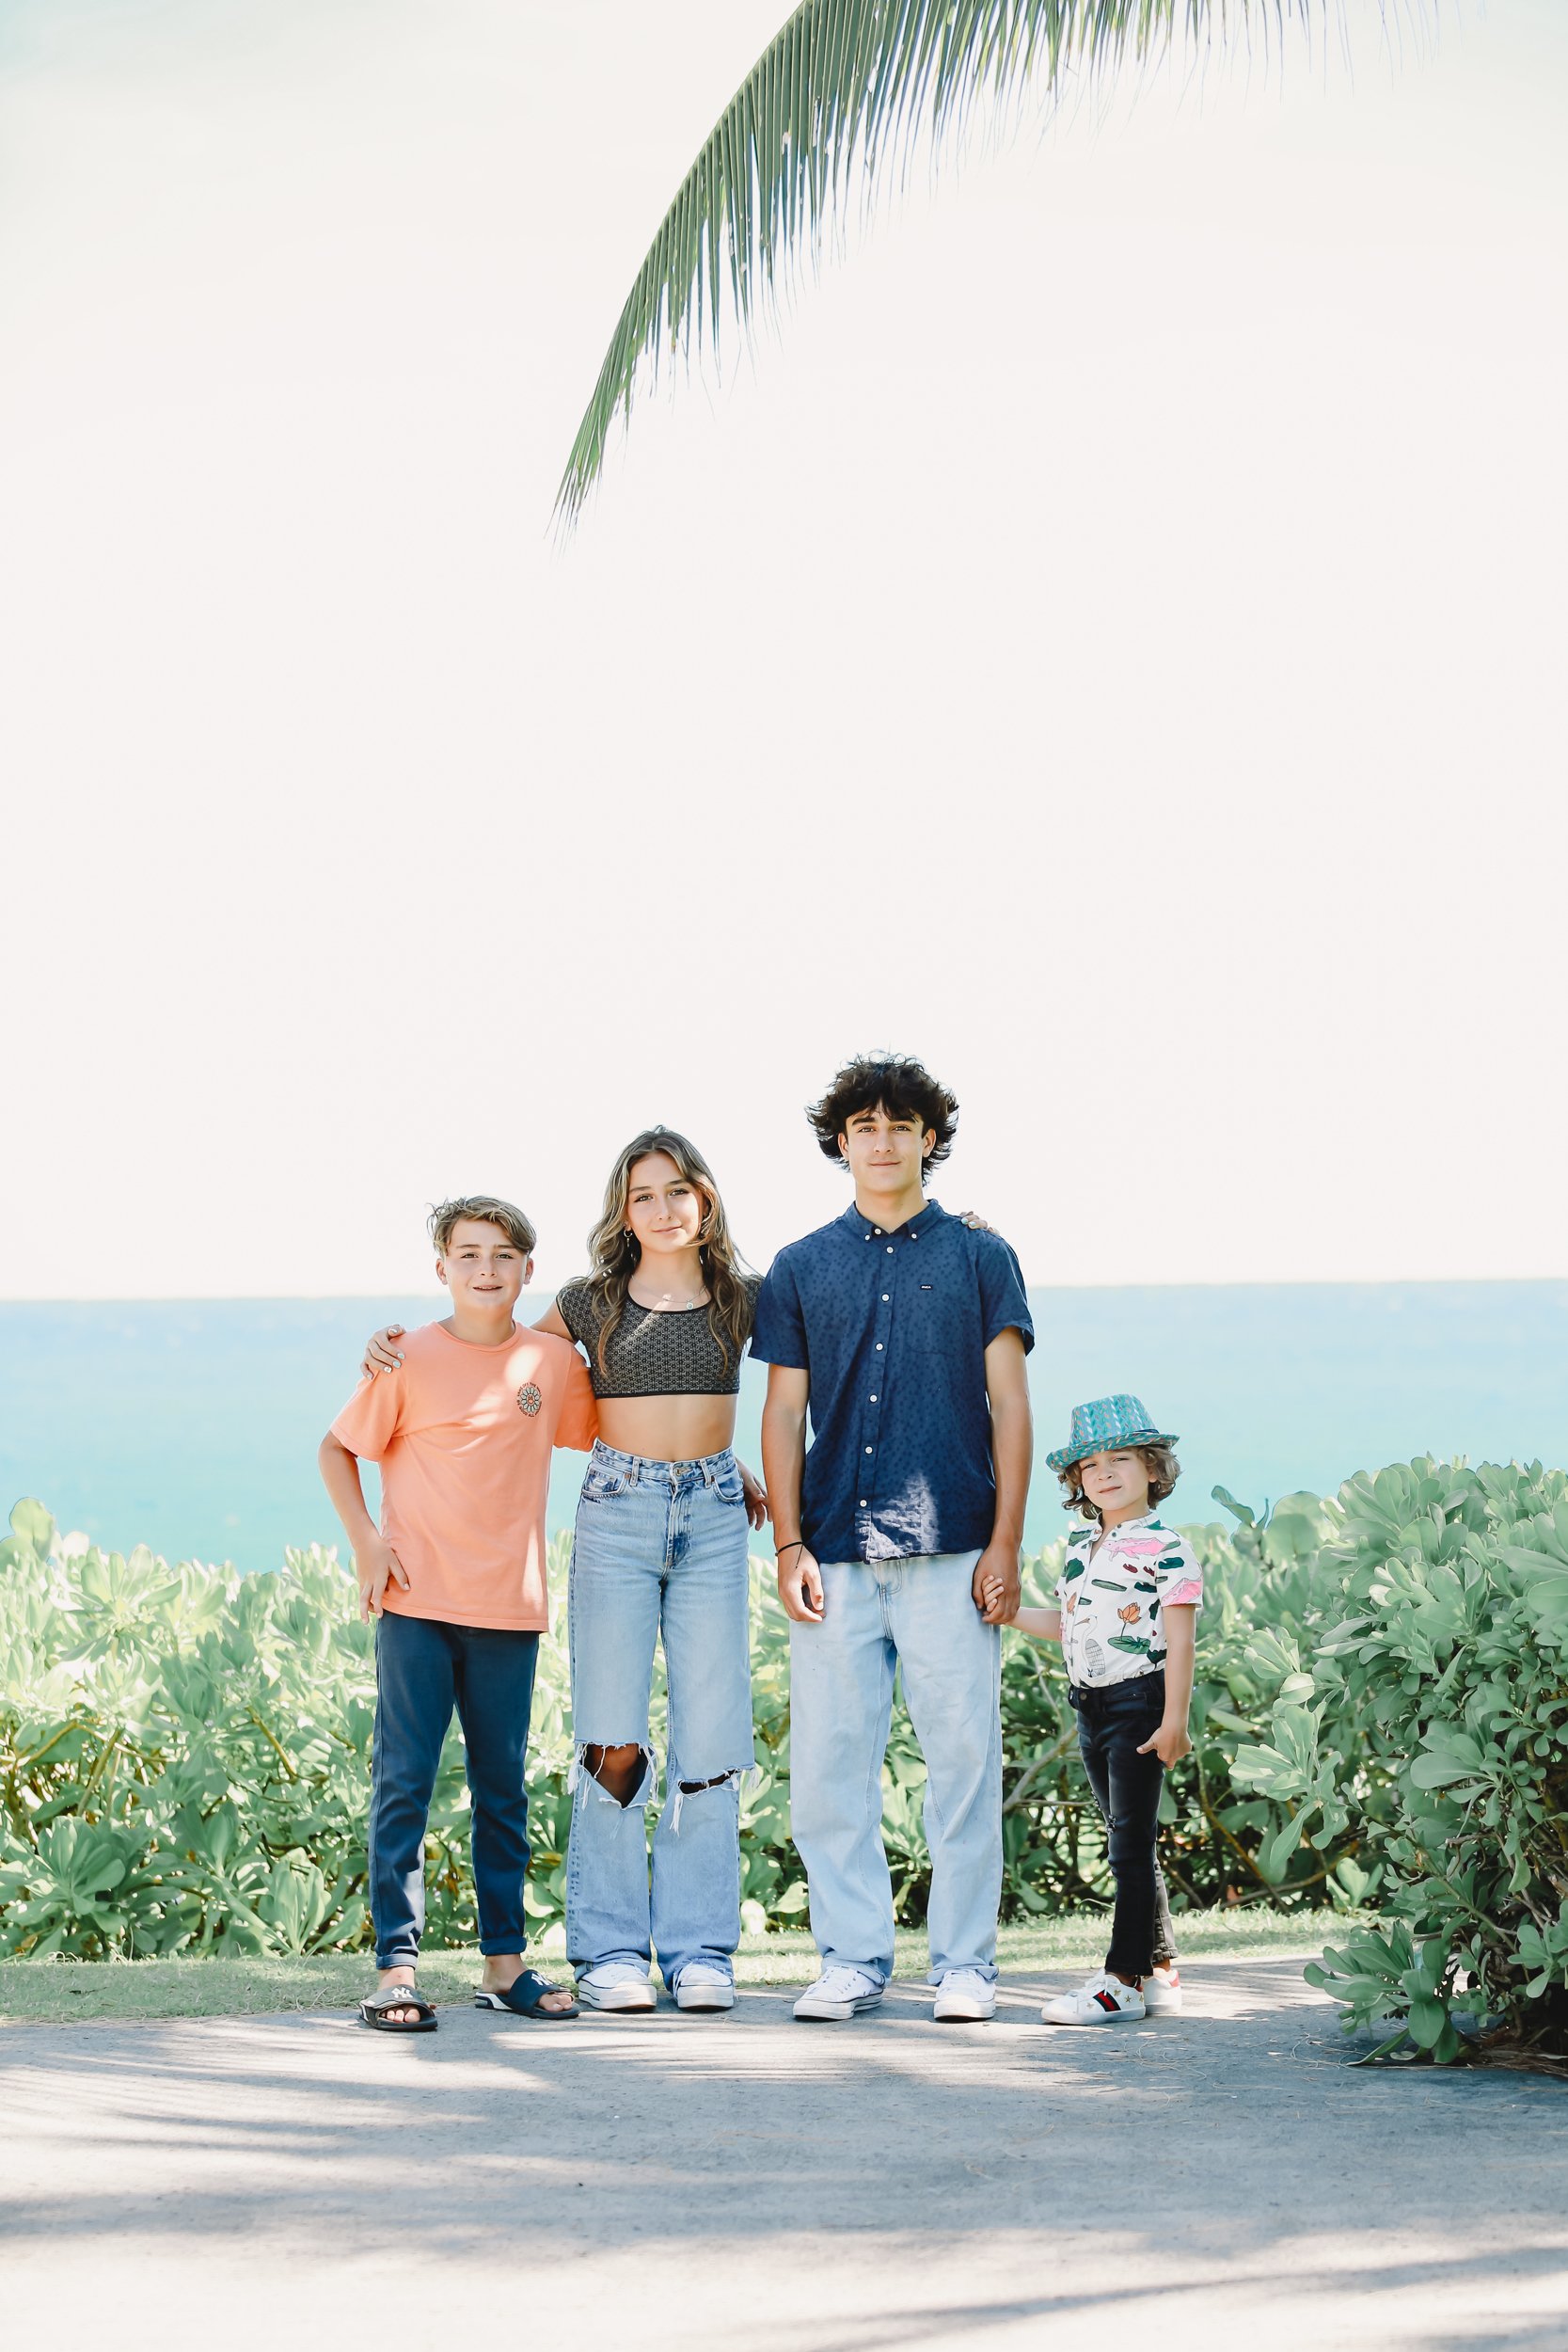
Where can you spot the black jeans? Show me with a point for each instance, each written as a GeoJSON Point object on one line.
{"type": "Point", "coordinates": [1113, 1723]}
{"type": "Point", "coordinates": [424, 1669]}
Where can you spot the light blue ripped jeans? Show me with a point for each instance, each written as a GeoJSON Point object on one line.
{"type": "Point", "coordinates": [661, 1548]}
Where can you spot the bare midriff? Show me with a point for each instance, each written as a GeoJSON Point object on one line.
{"type": "Point", "coordinates": [668, 1428]}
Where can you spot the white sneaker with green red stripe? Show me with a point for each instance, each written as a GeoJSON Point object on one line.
{"type": "Point", "coordinates": [1103, 2001]}
{"type": "Point", "coordinates": [1163, 1991]}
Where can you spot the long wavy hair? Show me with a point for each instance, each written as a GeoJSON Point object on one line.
{"type": "Point", "coordinates": [614, 1253]}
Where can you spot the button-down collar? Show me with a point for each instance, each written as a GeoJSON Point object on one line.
{"type": "Point", "coordinates": [911, 1230]}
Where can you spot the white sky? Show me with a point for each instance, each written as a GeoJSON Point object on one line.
{"type": "Point", "coordinates": [1110, 641]}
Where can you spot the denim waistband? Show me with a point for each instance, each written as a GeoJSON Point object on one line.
{"type": "Point", "coordinates": [638, 1471]}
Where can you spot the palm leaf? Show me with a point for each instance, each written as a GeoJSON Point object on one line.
{"type": "Point", "coordinates": [845, 96]}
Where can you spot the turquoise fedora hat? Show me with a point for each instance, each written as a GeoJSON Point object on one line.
{"type": "Point", "coordinates": [1110, 1423]}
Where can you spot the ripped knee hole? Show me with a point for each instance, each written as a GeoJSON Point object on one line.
{"type": "Point", "coordinates": [618, 1770]}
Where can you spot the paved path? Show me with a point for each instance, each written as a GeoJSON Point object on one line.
{"type": "Point", "coordinates": [676, 2184]}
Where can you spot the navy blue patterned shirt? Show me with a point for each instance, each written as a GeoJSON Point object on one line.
{"type": "Point", "coordinates": [893, 1329]}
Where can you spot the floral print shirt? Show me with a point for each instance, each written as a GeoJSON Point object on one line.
{"type": "Point", "coordinates": [1113, 1599]}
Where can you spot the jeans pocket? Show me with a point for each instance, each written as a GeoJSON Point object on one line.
{"type": "Point", "coordinates": [604, 1486]}
{"type": "Point", "coordinates": [728, 1486]}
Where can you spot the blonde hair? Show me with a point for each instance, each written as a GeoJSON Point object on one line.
{"type": "Point", "coordinates": [614, 1253]}
{"type": "Point", "coordinates": [448, 1214]}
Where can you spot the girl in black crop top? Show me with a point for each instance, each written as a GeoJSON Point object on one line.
{"type": "Point", "coordinates": [663, 1317]}
{"type": "Point", "coordinates": [661, 1549]}
{"type": "Point", "coordinates": [653, 1351]}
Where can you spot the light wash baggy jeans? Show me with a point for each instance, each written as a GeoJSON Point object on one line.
{"type": "Point", "coordinates": [920, 1614]}
{"type": "Point", "coordinates": [661, 1548]}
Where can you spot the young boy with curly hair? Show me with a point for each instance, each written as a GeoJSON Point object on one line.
{"type": "Point", "coordinates": [899, 1333]}
{"type": "Point", "coordinates": [1127, 1599]}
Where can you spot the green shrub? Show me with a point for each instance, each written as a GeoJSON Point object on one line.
{"type": "Point", "coordinates": [184, 1752]}
{"type": "Point", "coordinates": [184, 1759]}
{"type": "Point", "coordinates": [1381, 1689]}
{"type": "Point", "coordinates": [1449, 1650]}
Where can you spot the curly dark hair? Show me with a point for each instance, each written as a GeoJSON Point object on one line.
{"type": "Point", "coordinates": [1159, 1460]}
{"type": "Point", "coordinates": [895, 1083]}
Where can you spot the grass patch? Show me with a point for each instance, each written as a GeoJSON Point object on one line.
{"type": "Point", "coordinates": [65, 1991]}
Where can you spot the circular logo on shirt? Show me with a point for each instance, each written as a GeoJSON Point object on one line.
{"type": "Point", "coordinates": [529, 1399]}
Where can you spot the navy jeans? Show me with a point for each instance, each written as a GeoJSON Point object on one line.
{"type": "Point", "coordinates": [424, 1669]}
{"type": "Point", "coordinates": [1113, 1723]}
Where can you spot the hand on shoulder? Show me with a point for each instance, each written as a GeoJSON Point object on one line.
{"type": "Point", "coordinates": [381, 1355]}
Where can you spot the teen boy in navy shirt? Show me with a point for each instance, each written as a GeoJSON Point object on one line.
{"type": "Point", "coordinates": [902, 1334]}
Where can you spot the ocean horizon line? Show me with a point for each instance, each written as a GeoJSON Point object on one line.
{"type": "Point", "coordinates": [541, 1289]}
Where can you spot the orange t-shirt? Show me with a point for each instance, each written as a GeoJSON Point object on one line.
{"type": "Point", "coordinates": [463, 1434]}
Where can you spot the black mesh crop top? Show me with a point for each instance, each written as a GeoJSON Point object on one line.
{"type": "Point", "coordinates": [653, 1352]}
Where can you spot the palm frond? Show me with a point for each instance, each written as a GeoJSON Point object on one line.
{"type": "Point", "coordinates": [846, 93]}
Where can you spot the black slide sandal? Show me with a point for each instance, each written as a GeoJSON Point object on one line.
{"type": "Point", "coordinates": [373, 2008]}
{"type": "Point", "coordinates": [523, 1997]}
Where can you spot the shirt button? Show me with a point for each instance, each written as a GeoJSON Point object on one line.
{"type": "Point", "coordinates": [868, 1449]}
{"type": "Point", "coordinates": [884, 1302]}
{"type": "Point", "coordinates": [890, 1249]}
{"type": "Point", "coordinates": [873, 1396]}
{"type": "Point", "coordinates": [862, 1502]}
{"type": "Point", "coordinates": [879, 1347]}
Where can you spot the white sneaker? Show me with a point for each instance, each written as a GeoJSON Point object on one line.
{"type": "Point", "coordinates": [699, 1985]}
{"type": "Point", "coordinates": [964, 1994]}
{"type": "Point", "coordinates": [617, 1984]}
{"type": "Point", "coordinates": [1103, 2001]}
{"type": "Point", "coordinates": [839, 1992]}
{"type": "Point", "coordinates": [1163, 1991]}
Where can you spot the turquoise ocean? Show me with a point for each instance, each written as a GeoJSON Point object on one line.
{"type": "Point", "coordinates": [192, 1425]}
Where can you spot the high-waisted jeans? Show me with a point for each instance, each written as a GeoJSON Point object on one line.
{"type": "Point", "coordinates": [661, 1549]}
{"type": "Point", "coordinates": [1113, 1724]}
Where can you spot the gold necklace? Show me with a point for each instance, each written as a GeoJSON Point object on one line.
{"type": "Point", "coordinates": [661, 1310]}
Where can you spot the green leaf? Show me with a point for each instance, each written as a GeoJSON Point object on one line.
{"type": "Point", "coordinates": [1223, 1496]}
{"type": "Point", "coordinates": [1274, 1855]}
{"type": "Point", "coordinates": [34, 1525]}
{"type": "Point", "coordinates": [1426, 2022]}
{"type": "Point", "coordinates": [1395, 2041]}
{"type": "Point", "coordinates": [831, 115]}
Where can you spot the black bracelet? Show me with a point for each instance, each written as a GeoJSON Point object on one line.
{"type": "Point", "coordinates": [798, 1545]}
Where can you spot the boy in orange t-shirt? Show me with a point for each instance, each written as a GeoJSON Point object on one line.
{"type": "Point", "coordinates": [454, 1577]}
